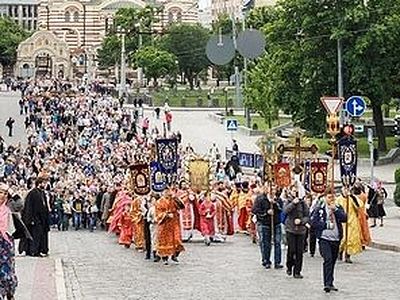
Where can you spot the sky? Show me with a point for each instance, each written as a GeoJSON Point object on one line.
{"type": "Point", "coordinates": [204, 3]}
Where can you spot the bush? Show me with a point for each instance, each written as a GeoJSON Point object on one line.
{"type": "Point", "coordinates": [397, 195]}
{"type": "Point", "coordinates": [397, 176]}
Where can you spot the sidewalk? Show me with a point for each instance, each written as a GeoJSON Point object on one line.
{"type": "Point", "coordinates": [388, 236]}
{"type": "Point", "coordinates": [39, 279]}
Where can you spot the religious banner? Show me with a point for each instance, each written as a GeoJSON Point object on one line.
{"type": "Point", "coordinates": [157, 178]}
{"type": "Point", "coordinates": [319, 176]}
{"type": "Point", "coordinates": [199, 174]}
{"type": "Point", "coordinates": [282, 174]}
{"type": "Point", "coordinates": [348, 160]}
{"type": "Point", "coordinates": [167, 155]}
{"type": "Point", "coordinates": [140, 179]}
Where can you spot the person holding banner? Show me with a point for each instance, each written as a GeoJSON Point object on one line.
{"type": "Point", "coordinates": [169, 239]}
{"type": "Point", "coordinates": [297, 220]}
{"type": "Point", "coordinates": [267, 208]}
{"type": "Point", "coordinates": [351, 242]}
{"type": "Point", "coordinates": [327, 218]}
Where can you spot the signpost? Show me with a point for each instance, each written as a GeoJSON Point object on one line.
{"type": "Point", "coordinates": [355, 106]}
{"type": "Point", "coordinates": [332, 106]}
{"type": "Point", "coordinates": [371, 152]}
{"type": "Point", "coordinates": [232, 125]}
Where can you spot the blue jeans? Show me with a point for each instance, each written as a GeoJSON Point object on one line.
{"type": "Point", "coordinates": [77, 220]}
{"type": "Point", "coordinates": [264, 234]}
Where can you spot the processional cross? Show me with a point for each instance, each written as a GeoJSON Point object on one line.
{"type": "Point", "coordinates": [297, 150]}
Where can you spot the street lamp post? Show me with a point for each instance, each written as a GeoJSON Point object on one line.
{"type": "Point", "coordinates": [139, 70]}
{"type": "Point", "coordinates": [122, 87]}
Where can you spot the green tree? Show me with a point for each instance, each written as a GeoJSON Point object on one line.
{"type": "Point", "coordinates": [11, 35]}
{"type": "Point", "coordinates": [156, 63]}
{"type": "Point", "coordinates": [301, 57]}
{"type": "Point", "coordinates": [188, 44]}
{"type": "Point", "coordinates": [133, 21]}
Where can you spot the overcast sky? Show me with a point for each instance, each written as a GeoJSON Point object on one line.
{"type": "Point", "coordinates": [204, 3]}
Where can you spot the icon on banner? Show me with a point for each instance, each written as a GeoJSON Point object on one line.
{"type": "Point", "coordinates": [232, 125]}
{"type": "Point", "coordinates": [356, 106]}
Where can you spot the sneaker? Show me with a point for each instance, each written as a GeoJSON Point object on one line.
{"type": "Point", "coordinates": [278, 267]}
{"type": "Point", "coordinates": [327, 289]}
{"type": "Point", "coordinates": [268, 266]}
{"type": "Point", "coordinates": [289, 272]}
{"type": "Point", "coordinates": [175, 259]}
{"type": "Point", "coordinates": [298, 276]}
{"type": "Point", "coordinates": [333, 288]}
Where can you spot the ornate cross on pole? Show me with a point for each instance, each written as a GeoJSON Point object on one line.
{"type": "Point", "coordinates": [297, 149]}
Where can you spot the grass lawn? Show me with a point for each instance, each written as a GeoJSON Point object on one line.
{"type": "Point", "coordinates": [262, 126]}
{"type": "Point", "coordinates": [175, 97]}
{"type": "Point", "coordinates": [362, 145]}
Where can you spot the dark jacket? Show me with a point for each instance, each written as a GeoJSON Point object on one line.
{"type": "Point", "coordinates": [262, 205]}
{"type": "Point", "coordinates": [296, 211]}
{"type": "Point", "coordinates": [319, 218]}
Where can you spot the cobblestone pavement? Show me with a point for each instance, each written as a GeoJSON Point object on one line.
{"type": "Point", "coordinates": [96, 267]}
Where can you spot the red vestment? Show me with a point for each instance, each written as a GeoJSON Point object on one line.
{"type": "Point", "coordinates": [125, 237]}
{"type": "Point", "coordinates": [224, 213]}
{"type": "Point", "coordinates": [168, 227]}
{"type": "Point", "coordinates": [207, 214]}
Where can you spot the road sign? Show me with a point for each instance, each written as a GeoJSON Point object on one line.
{"type": "Point", "coordinates": [356, 106]}
{"type": "Point", "coordinates": [359, 128]}
{"type": "Point", "coordinates": [332, 104]}
{"type": "Point", "coordinates": [232, 125]}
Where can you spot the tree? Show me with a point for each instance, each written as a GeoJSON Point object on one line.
{"type": "Point", "coordinates": [11, 35]}
{"type": "Point", "coordinates": [133, 21]}
{"type": "Point", "coordinates": [110, 52]}
{"type": "Point", "coordinates": [188, 44]}
{"type": "Point", "coordinates": [301, 58]}
{"type": "Point", "coordinates": [156, 63]}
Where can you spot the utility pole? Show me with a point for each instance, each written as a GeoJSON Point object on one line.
{"type": "Point", "coordinates": [122, 88]}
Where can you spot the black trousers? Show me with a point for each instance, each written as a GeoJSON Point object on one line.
{"type": "Point", "coordinates": [312, 235]}
{"type": "Point", "coordinates": [147, 239]}
{"type": "Point", "coordinates": [40, 242]}
{"type": "Point", "coordinates": [295, 249]}
{"type": "Point", "coordinates": [329, 251]}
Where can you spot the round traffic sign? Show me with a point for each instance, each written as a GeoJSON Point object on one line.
{"type": "Point", "coordinates": [220, 50]}
{"type": "Point", "coordinates": [251, 43]}
{"type": "Point", "coordinates": [356, 106]}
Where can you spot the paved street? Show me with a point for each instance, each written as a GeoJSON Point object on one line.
{"type": "Point", "coordinates": [93, 266]}
{"type": "Point", "coordinates": [97, 268]}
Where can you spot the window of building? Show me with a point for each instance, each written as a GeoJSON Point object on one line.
{"type": "Point", "coordinates": [170, 17]}
{"type": "Point", "coordinates": [67, 16]}
{"type": "Point", "coordinates": [24, 11]}
{"type": "Point", "coordinates": [30, 24]}
{"type": "Point", "coordinates": [35, 11]}
{"type": "Point", "coordinates": [15, 11]}
{"type": "Point", "coordinates": [34, 24]}
{"type": "Point", "coordinates": [76, 16]}
{"type": "Point", "coordinates": [179, 17]}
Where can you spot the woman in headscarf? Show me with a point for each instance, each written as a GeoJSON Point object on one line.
{"type": "Point", "coordinates": [8, 279]}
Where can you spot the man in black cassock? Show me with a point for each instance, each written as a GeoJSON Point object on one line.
{"type": "Point", "coordinates": [36, 217]}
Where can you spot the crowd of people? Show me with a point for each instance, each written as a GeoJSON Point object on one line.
{"type": "Point", "coordinates": [74, 172]}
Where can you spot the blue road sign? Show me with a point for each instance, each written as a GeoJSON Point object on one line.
{"type": "Point", "coordinates": [232, 125]}
{"type": "Point", "coordinates": [356, 106]}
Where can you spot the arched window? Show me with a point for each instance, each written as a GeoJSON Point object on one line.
{"type": "Point", "coordinates": [76, 16]}
{"type": "Point", "coordinates": [67, 16]}
{"type": "Point", "coordinates": [170, 17]}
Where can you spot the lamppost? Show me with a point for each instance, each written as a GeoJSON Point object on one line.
{"type": "Point", "coordinates": [122, 85]}
{"type": "Point", "coordinates": [139, 70]}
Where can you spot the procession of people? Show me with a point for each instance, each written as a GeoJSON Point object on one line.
{"type": "Point", "coordinates": [87, 165]}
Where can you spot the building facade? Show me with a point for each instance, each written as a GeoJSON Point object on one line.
{"type": "Point", "coordinates": [82, 25]}
{"type": "Point", "coordinates": [23, 12]}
